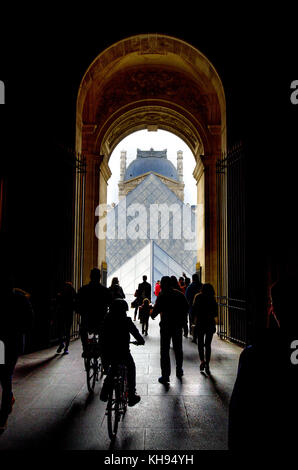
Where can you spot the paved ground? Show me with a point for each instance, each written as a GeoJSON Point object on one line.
{"type": "Point", "coordinates": [53, 409]}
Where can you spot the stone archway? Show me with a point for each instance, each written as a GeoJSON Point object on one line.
{"type": "Point", "coordinates": [150, 81]}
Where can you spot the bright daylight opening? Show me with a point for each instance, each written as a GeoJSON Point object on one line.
{"type": "Point", "coordinates": [153, 193]}
{"type": "Point", "coordinates": [159, 140]}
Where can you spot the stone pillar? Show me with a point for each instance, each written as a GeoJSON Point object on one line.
{"type": "Point", "coordinates": [210, 222]}
{"type": "Point", "coordinates": [198, 174]}
{"type": "Point", "coordinates": [209, 162]}
{"type": "Point", "coordinates": [91, 198]}
{"type": "Point", "coordinates": [104, 175]}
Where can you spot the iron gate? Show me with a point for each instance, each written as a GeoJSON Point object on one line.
{"type": "Point", "coordinates": [77, 166]}
{"type": "Point", "coordinates": [231, 204]}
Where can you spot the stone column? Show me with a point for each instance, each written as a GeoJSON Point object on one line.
{"type": "Point", "coordinates": [210, 221]}
{"type": "Point", "coordinates": [90, 242]}
{"type": "Point", "coordinates": [104, 175]}
{"type": "Point", "coordinates": [198, 174]}
{"type": "Point", "coordinates": [209, 162]}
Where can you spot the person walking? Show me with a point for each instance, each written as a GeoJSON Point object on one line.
{"type": "Point", "coordinates": [15, 320]}
{"type": "Point", "coordinates": [204, 312]}
{"type": "Point", "coordinates": [66, 300]}
{"type": "Point", "coordinates": [116, 290]}
{"type": "Point", "coordinates": [172, 306]}
{"type": "Point", "coordinates": [143, 292]}
{"type": "Point", "coordinates": [193, 289]}
{"type": "Point", "coordinates": [93, 300]}
{"type": "Point", "coordinates": [117, 328]}
{"type": "Point", "coordinates": [145, 310]}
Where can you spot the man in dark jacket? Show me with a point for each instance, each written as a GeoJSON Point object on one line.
{"type": "Point", "coordinates": [117, 328]}
{"type": "Point", "coordinates": [144, 290]}
{"type": "Point", "coordinates": [92, 303]}
{"type": "Point", "coordinates": [16, 318]}
{"type": "Point", "coordinates": [172, 306]}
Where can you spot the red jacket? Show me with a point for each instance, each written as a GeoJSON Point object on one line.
{"type": "Point", "coordinates": [157, 289]}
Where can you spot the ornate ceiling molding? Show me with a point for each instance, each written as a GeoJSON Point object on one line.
{"type": "Point", "coordinates": [150, 81]}
{"type": "Point", "coordinates": [156, 48]}
{"type": "Point", "coordinates": [143, 117]}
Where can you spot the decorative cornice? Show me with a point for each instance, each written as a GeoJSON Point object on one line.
{"type": "Point", "coordinates": [154, 115]}
{"type": "Point", "coordinates": [136, 178]}
{"type": "Point", "coordinates": [105, 170]}
{"type": "Point", "coordinates": [126, 187]}
{"type": "Point", "coordinates": [199, 169]}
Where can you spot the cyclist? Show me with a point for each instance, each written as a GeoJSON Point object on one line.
{"type": "Point", "coordinates": [93, 300]}
{"type": "Point", "coordinates": [117, 328]}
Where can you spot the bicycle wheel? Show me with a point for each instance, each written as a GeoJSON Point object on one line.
{"type": "Point", "coordinates": [91, 365]}
{"type": "Point", "coordinates": [113, 412]}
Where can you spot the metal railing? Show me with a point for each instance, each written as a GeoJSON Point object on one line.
{"type": "Point", "coordinates": [231, 261]}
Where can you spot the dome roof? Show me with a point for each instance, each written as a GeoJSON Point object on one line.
{"type": "Point", "coordinates": [151, 160]}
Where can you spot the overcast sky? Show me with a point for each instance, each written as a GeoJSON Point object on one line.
{"type": "Point", "coordinates": [159, 140]}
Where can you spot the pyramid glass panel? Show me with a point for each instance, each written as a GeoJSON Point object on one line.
{"type": "Point", "coordinates": [165, 232]}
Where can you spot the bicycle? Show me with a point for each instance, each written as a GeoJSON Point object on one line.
{"type": "Point", "coordinates": [117, 398]}
{"type": "Point", "coordinates": [92, 361]}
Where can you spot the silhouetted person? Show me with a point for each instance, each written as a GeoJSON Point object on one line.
{"type": "Point", "coordinates": [116, 290]}
{"type": "Point", "coordinates": [93, 300]}
{"type": "Point", "coordinates": [204, 311]}
{"type": "Point", "coordinates": [143, 292]}
{"type": "Point", "coordinates": [117, 328]}
{"type": "Point", "coordinates": [263, 404]}
{"type": "Point", "coordinates": [175, 283]}
{"type": "Point", "coordinates": [144, 310]}
{"type": "Point", "coordinates": [182, 285]}
{"type": "Point", "coordinates": [172, 306]}
{"type": "Point", "coordinates": [186, 280]}
{"type": "Point", "coordinates": [66, 300]}
{"type": "Point", "coordinates": [194, 288]}
{"type": "Point", "coordinates": [16, 318]}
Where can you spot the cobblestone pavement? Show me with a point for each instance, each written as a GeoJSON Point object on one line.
{"type": "Point", "coordinates": [53, 409]}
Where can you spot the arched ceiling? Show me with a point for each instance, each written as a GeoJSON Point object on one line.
{"type": "Point", "coordinates": [149, 81]}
